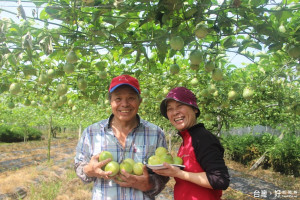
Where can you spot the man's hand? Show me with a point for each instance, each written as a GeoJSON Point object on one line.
{"type": "Point", "coordinates": [93, 169]}
{"type": "Point", "coordinates": [138, 182]}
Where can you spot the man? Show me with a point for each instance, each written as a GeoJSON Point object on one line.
{"type": "Point", "coordinates": [125, 135]}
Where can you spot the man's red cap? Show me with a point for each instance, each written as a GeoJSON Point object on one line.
{"type": "Point", "coordinates": [124, 80]}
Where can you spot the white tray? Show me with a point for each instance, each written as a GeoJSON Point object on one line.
{"type": "Point", "coordinates": [161, 166]}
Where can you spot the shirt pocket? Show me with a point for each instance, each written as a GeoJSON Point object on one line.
{"type": "Point", "coordinates": [141, 153]}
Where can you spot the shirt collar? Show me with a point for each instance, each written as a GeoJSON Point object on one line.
{"type": "Point", "coordinates": [190, 129]}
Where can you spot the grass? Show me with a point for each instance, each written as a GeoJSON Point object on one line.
{"type": "Point", "coordinates": [46, 190]}
{"type": "Point", "coordinates": [282, 181]}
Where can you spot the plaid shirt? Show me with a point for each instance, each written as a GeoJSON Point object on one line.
{"type": "Point", "coordinates": [141, 143]}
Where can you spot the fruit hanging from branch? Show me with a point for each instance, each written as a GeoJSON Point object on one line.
{"type": "Point", "coordinates": [201, 31]}
{"type": "Point", "coordinates": [15, 88]}
{"type": "Point", "coordinates": [196, 57]}
{"type": "Point", "coordinates": [177, 43]}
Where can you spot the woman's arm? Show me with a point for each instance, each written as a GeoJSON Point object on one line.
{"type": "Point", "coordinates": [199, 178]}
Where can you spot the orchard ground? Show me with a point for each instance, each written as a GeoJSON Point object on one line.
{"type": "Point", "coordinates": [26, 174]}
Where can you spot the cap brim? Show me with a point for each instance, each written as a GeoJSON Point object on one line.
{"type": "Point", "coordinates": [115, 87]}
{"type": "Point", "coordinates": [163, 107]}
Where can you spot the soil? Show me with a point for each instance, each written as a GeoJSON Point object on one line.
{"type": "Point", "coordinates": [27, 160]}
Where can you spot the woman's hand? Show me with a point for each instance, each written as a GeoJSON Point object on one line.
{"type": "Point", "coordinates": [169, 170]}
{"type": "Point", "coordinates": [199, 178]}
{"type": "Point", "coordinates": [93, 169]}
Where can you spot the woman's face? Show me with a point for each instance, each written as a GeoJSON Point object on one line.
{"type": "Point", "coordinates": [125, 103]}
{"type": "Point", "coordinates": [181, 115]}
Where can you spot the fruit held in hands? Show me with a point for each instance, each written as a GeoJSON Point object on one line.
{"type": "Point", "coordinates": [130, 160]}
{"type": "Point", "coordinates": [154, 160]}
{"type": "Point", "coordinates": [105, 155]}
{"type": "Point", "coordinates": [177, 160]}
{"type": "Point", "coordinates": [138, 168]}
{"type": "Point", "coordinates": [167, 158]}
{"type": "Point", "coordinates": [161, 151]}
{"type": "Point", "coordinates": [126, 166]}
{"type": "Point", "coordinates": [113, 167]}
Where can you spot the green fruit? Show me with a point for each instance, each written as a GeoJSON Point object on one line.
{"type": "Point", "coordinates": [27, 102]}
{"type": "Point", "coordinates": [165, 91]}
{"type": "Point", "coordinates": [27, 70]}
{"type": "Point", "coordinates": [232, 95]}
{"type": "Point", "coordinates": [194, 82]}
{"type": "Point", "coordinates": [177, 160]}
{"type": "Point", "coordinates": [10, 105]}
{"type": "Point", "coordinates": [294, 51]}
{"type": "Point", "coordinates": [61, 89]}
{"type": "Point", "coordinates": [15, 88]}
{"type": "Point", "coordinates": [225, 104]}
{"type": "Point", "coordinates": [71, 57]}
{"type": "Point", "coordinates": [43, 79]}
{"type": "Point", "coordinates": [51, 73]}
{"type": "Point", "coordinates": [126, 166]}
{"type": "Point", "coordinates": [177, 43]}
{"type": "Point", "coordinates": [69, 68]}
{"type": "Point", "coordinates": [281, 29]}
{"type": "Point", "coordinates": [46, 98]}
{"type": "Point", "coordinates": [71, 102]}
{"type": "Point", "coordinates": [34, 103]}
{"type": "Point", "coordinates": [161, 151]}
{"type": "Point", "coordinates": [167, 158]}
{"type": "Point", "coordinates": [130, 160]}
{"type": "Point", "coordinates": [63, 99]}
{"type": "Point", "coordinates": [209, 66]}
{"type": "Point", "coordinates": [174, 69]}
{"type": "Point", "coordinates": [195, 67]}
{"type": "Point", "coordinates": [82, 84]}
{"type": "Point", "coordinates": [248, 93]}
{"type": "Point", "coordinates": [101, 65]}
{"type": "Point", "coordinates": [113, 167]}
{"type": "Point", "coordinates": [103, 75]}
{"type": "Point", "coordinates": [201, 31]}
{"type": "Point", "coordinates": [74, 108]}
{"type": "Point", "coordinates": [217, 74]}
{"type": "Point", "coordinates": [54, 105]}
{"type": "Point", "coordinates": [205, 93]}
{"type": "Point", "coordinates": [138, 168]}
{"type": "Point", "coordinates": [105, 155]}
{"type": "Point", "coordinates": [154, 160]}
{"type": "Point", "coordinates": [196, 57]}
{"type": "Point", "coordinates": [212, 88]}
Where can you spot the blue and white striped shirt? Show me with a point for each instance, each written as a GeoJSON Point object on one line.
{"type": "Point", "coordinates": [140, 145]}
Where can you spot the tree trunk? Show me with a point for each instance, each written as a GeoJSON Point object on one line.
{"type": "Point", "coordinates": [262, 158]}
{"type": "Point", "coordinates": [49, 138]}
{"type": "Point", "coordinates": [258, 162]}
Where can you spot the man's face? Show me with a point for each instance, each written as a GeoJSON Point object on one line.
{"type": "Point", "coordinates": [125, 103]}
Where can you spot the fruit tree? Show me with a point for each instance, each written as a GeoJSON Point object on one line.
{"type": "Point", "coordinates": [59, 57]}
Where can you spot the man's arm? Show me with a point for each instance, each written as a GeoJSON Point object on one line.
{"type": "Point", "coordinates": [82, 158]}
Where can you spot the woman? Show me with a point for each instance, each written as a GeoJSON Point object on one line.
{"type": "Point", "coordinates": [205, 174]}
